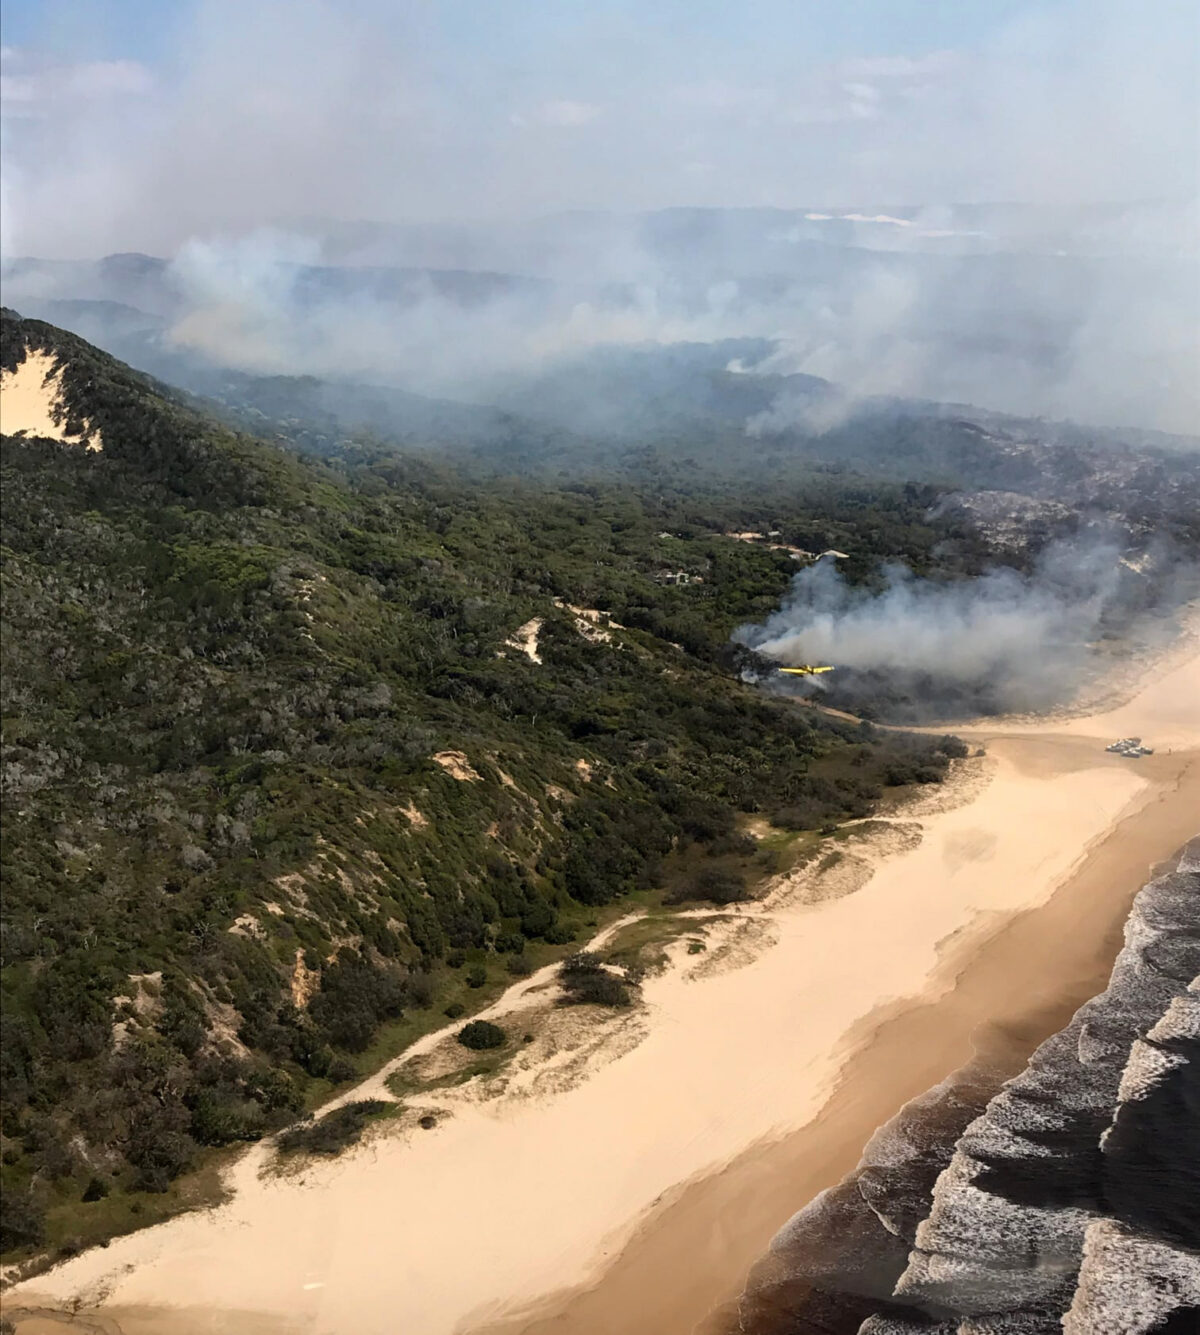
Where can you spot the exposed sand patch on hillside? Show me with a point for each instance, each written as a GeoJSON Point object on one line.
{"type": "Point", "coordinates": [31, 403]}
{"type": "Point", "coordinates": [589, 622]}
{"type": "Point", "coordinates": [415, 818]}
{"type": "Point", "coordinates": [456, 764]}
{"type": "Point", "coordinates": [525, 639]}
{"type": "Point", "coordinates": [516, 1196]}
{"type": "Point", "coordinates": [304, 981]}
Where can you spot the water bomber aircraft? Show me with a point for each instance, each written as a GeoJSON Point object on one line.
{"type": "Point", "coordinates": [805, 670]}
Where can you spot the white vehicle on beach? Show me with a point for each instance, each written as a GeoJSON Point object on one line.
{"type": "Point", "coordinates": [1131, 747]}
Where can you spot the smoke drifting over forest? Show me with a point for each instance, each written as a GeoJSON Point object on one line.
{"type": "Point", "coordinates": [776, 177]}
{"type": "Point", "coordinates": [1005, 640]}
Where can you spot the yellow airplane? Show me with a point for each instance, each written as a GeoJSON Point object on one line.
{"type": "Point", "coordinates": [805, 670]}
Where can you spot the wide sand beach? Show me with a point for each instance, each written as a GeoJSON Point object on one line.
{"type": "Point", "coordinates": [634, 1195]}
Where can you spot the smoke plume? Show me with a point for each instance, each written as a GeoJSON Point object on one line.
{"type": "Point", "coordinates": [1002, 641]}
{"type": "Point", "coordinates": [760, 174]}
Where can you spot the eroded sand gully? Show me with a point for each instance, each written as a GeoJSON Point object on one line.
{"type": "Point", "coordinates": [753, 1085]}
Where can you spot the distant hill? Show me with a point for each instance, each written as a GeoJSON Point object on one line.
{"type": "Point", "coordinates": [159, 288]}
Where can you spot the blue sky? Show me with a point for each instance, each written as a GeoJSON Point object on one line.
{"type": "Point", "coordinates": [147, 30]}
{"type": "Point", "coordinates": [163, 119]}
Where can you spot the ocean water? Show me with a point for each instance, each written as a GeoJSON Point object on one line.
{"type": "Point", "coordinates": [1069, 1193]}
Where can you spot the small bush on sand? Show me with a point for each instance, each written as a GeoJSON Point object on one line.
{"type": "Point", "coordinates": [480, 1035]}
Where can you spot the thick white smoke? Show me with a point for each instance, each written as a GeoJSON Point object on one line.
{"type": "Point", "coordinates": [1022, 637]}
{"type": "Point", "coordinates": [385, 133]}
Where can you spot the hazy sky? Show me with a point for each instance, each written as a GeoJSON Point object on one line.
{"type": "Point", "coordinates": [135, 124]}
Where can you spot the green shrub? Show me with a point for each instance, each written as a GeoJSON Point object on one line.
{"type": "Point", "coordinates": [480, 1035]}
{"type": "Point", "coordinates": [96, 1189]}
{"type": "Point", "coordinates": [714, 884]}
{"type": "Point", "coordinates": [585, 981]}
{"type": "Point", "coordinates": [355, 997]}
{"type": "Point", "coordinates": [419, 987]}
{"type": "Point", "coordinates": [22, 1219]}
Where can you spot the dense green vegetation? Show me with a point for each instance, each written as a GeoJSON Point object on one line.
{"type": "Point", "coordinates": [276, 781]}
{"type": "Point", "coordinates": [644, 411]}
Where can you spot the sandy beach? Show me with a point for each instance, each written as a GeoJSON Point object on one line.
{"type": "Point", "coordinates": [635, 1196]}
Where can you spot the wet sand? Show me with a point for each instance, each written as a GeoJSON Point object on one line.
{"type": "Point", "coordinates": [755, 1084]}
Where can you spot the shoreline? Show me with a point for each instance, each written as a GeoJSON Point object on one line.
{"type": "Point", "coordinates": [735, 1067]}
{"type": "Point", "coordinates": [891, 1057]}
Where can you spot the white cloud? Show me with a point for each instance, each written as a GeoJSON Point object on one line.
{"type": "Point", "coordinates": [567, 114]}
{"type": "Point", "coordinates": [32, 86]}
{"type": "Point", "coordinates": [905, 68]}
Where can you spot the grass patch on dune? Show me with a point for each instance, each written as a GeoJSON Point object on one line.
{"type": "Point", "coordinates": [408, 1080]}
{"type": "Point", "coordinates": [335, 1131]}
{"type": "Point", "coordinates": [452, 991]}
{"type": "Point", "coordinates": [642, 945]}
{"type": "Point", "coordinates": [72, 1226]}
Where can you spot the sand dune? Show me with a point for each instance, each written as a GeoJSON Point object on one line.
{"type": "Point", "coordinates": [515, 1198]}
{"type": "Point", "coordinates": [31, 402]}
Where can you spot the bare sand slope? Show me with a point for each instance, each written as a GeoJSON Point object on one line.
{"type": "Point", "coordinates": [514, 1199]}
{"type": "Point", "coordinates": [30, 402]}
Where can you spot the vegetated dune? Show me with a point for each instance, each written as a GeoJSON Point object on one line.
{"type": "Point", "coordinates": [31, 403]}
{"type": "Point", "coordinates": [1071, 1200]}
{"type": "Point", "coordinates": [508, 1200]}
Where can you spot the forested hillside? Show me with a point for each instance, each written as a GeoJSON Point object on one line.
{"type": "Point", "coordinates": [298, 752]}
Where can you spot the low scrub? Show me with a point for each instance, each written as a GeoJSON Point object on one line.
{"type": "Point", "coordinates": [585, 981]}
{"type": "Point", "coordinates": [715, 884]}
{"type": "Point", "coordinates": [335, 1131]}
